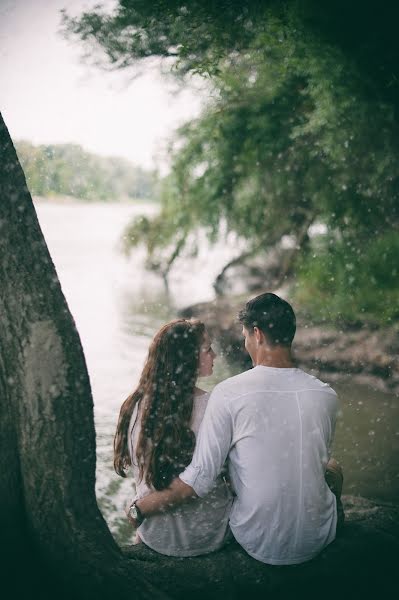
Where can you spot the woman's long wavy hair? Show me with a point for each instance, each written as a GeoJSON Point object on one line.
{"type": "Point", "coordinates": [165, 396]}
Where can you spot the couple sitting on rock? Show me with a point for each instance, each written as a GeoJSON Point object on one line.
{"type": "Point", "coordinates": [250, 462]}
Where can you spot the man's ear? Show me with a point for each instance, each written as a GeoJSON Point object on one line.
{"type": "Point", "coordinates": [259, 335]}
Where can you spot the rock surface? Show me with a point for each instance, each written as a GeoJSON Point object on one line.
{"type": "Point", "coordinates": [361, 562]}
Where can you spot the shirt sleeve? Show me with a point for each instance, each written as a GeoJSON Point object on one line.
{"type": "Point", "coordinates": [333, 412]}
{"type": "Point", "coordinates": [212, 447]}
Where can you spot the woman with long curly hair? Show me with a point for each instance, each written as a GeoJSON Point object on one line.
{"type": "Point", "coordinates": [156, 434]}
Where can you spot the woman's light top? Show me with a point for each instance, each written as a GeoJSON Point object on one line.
{"type": "Point", "coordinates": [198, 527]}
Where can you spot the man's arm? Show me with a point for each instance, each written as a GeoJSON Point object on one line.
{"type": "Point", "coordinates": [211, 450]}
{"type": "Point", "coordinates": [159, 502]}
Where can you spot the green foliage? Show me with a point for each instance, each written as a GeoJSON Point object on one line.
{"type": "Point", "coordinates": [302, 126]}
{"type": "Point", "coordinates": [342, 282]}
{"type": "Point", "coordinates": [66, 169]}
{"type": "Point", "coordinates": [281, 145]}
{"type": "Point", "coordinates": [199, 35]}
{"type": "Point", "coordinates": [164, 235]}
{"type": "Point", "coordinates": [193, 34]}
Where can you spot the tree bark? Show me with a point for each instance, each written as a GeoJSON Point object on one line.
{"type": "Point", "coordinates": [55, 542]}
{"type": "Point", "coordinates": [48, 507]}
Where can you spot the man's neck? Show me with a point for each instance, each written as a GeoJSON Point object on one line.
{"type": "Point", "coordinates": [278, 357]}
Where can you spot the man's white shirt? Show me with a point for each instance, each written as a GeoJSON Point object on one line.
{"type": "Point", "coordinates": [275, 426]}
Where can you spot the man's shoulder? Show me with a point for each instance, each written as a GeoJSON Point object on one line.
{"type": "Point", "coordinates": [233, 386]}
{"type": "Point", "coordinates": [248, 381]}
{"type": "Point", "coordinates": [311, 382]}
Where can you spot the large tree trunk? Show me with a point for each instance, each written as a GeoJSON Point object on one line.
{"type": "Point", "coordinates": [48, 510]}
{"type": "Point", "coordinates": [55, 543]}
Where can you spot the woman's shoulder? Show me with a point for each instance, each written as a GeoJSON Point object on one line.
{"type": "Point", "coordinates": [201, 398]}
{"type": "Point", "coordinates": [199, 393]}
{"type": "Point", "coordinates": [199, 406]}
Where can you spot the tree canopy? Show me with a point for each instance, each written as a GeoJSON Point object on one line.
{"type": "Point", "coordinates": [198, 34]}
{"type": "Point", "coordinates": [301, 127]}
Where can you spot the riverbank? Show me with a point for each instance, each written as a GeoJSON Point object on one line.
{"type": "Point", "coordinates": [365, 355]}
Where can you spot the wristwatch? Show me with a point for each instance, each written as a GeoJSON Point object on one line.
{"type": "Point", "coordinates": [136, 513]}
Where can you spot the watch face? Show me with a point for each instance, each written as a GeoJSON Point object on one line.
{"type": "Point", "coordinates": [133, 512]}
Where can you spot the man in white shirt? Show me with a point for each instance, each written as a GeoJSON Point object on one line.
{"type": "Point", "coordinates": [274, 424]}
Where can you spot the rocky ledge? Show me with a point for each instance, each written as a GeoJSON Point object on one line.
{"type": "Point", "coordinates": [365, 355]}
{"type": "Point", "coordinates": [360, 563]}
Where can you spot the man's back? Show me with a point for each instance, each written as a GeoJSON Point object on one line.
{"type": "Point", "coordinates": [276, 426]}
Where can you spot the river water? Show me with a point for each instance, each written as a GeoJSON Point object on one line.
{"type": "Point", "coordinates": [118, 306]}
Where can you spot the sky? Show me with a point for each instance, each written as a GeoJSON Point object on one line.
{"type": "Point", "coordinates": [48, 95]}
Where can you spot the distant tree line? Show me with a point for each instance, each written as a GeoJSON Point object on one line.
{"type": "Point", "coordinates": [68, 170]}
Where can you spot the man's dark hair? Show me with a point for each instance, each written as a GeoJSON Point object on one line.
{"type": "Point", "coordinates": [273, 316]}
